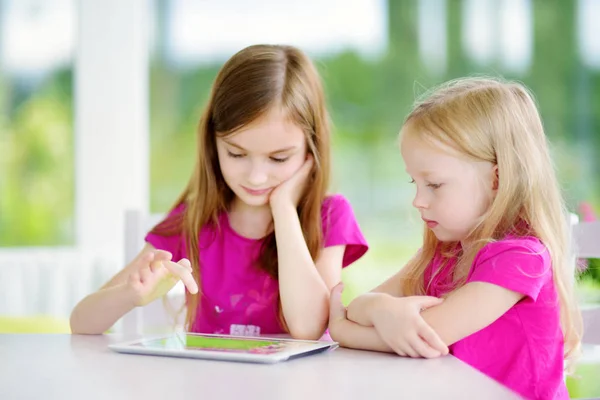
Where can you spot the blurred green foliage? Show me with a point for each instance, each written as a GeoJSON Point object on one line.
{"type": "Point", "coordinates": [368, 99]}
{"type": "Point", "coordinates": [36, 163]}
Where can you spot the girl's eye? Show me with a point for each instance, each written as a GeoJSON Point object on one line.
{"type": "Point", "coordinates": [411, 181]}
{"type": "Point", "coordinates": [279, 160]}
{"type": "Point", "coordinates": [234, 155]}
{"type": "Point", "coordinates": [434, 185]}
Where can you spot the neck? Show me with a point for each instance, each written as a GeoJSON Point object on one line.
{"type": "Point", "coordinates": [250, 221]}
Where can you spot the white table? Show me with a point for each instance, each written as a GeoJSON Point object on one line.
{"type": "Point", "coordinates": [82, 367]}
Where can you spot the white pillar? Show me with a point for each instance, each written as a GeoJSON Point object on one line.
{"type": "Point", "coordinates": [588, 12]}
{"type": "Point", "coordinates": [111, 122]}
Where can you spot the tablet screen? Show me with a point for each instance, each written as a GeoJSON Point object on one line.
{"type": "Point", "coordinates": [217, 343]}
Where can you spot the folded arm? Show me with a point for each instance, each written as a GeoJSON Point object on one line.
{"type": "Point", "coordinates": [469, 309]}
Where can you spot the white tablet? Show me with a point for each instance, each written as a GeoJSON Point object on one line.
{"type": "Point", "coordinates": [222, 347]}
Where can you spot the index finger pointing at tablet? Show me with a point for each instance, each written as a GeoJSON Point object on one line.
{"type": "Point", "coordinates": [186, 263]}
{"type": "Point", "coordinates": [184, 274]}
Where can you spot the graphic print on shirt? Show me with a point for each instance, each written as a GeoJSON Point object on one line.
{"type": "Point", "coordinates": [242, 316]}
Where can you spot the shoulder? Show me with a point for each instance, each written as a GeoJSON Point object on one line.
{"type": "Point", "coordinates": [168, 234]}
{"type": "Point", "coordinates": [526, 248]}
{"type": "Point", "coordinates": [334, 202]}
{"type": "Point", "coordinates": [525, 243]}
{"type": "Point", "coordinates": [335, 211]}
{"type": "Point", "coordinates": [340, 227]}
{"type": "Point", "coordinates": [520, 264]}
{"type": "Point", "coordinates": [336, 207]}
{"type": "Point", "coordinates": [176, 216]}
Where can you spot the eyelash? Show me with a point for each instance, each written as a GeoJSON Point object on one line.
{"type": "Point", "coordinates": [274, 159]}
{"type": "Point", "coordinates": [233, 155]}
{"type": "Point", "coordinates": [430, 185]}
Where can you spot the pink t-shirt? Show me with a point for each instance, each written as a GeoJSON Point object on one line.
{"type": "Point", "coordinates": [523, 349]}
{"type": "Point", "coordinates": [239, 298]}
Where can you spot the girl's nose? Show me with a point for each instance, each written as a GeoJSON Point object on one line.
{"type": "Point", "coordinates": [258, 175]}
{"type": "Point", "coordinates": [420, 201]}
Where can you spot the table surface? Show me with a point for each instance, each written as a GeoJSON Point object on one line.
{"type": "Point", "coordinates": [82, 367]}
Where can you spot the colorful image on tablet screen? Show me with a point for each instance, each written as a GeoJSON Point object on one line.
{"type": "Point", "coordinates": [219, 343]}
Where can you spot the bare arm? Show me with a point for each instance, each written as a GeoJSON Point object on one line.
{"type": "Point", "coordinates": [304, 285]}
{"type": "Point", "coordinates": [352, 335]}
{"type": "Point", "coordinates": [470, 309]}
{"type": "Point", "coordinates": [149, 276]}
{"type": "Point", "coordinates": [397, 320]}
{"type": "Point", "coordinates": [348, 333]}
{"type": "Point", "coordinates": [100, 310]}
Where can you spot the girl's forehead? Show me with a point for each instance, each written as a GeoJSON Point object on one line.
{"type": "Point", "coordinates": [271, 132]}
{"type": "Point", "coordinates": [416, 148]}
{"type": "Point", "coordinates": [414, 139]}
{"type": "Point", "coordinates": [427, 159]}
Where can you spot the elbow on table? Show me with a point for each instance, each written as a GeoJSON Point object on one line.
{"type": "Point", "coordinates": [336, 337]}
{"type": "Point", "coordinates": [307, 332]}
{"type": "Point", "coordinates": [77, 327]}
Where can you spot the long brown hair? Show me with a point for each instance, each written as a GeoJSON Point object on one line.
{"type": "Point", "coordinates": [498, 122]}
{"type": "Point", "coordinates": [251, 83]}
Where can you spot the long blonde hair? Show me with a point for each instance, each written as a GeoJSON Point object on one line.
{"type": "Point", "coordinates": [498, 122]}
{"type": "Point", "coordinates": [250, 84]}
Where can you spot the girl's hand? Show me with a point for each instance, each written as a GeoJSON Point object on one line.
{"type": "Point", "coordinates": [399, 323]}
{"type": "Point", "coordinates": [290, 191]}
{"type": "Point", "coordinates": [155, 279]}
{"type": "Point", "coordinates": [337, 311]}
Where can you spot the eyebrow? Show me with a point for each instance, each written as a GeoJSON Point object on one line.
{"type": "Point", "coordinates": [285, 149]}
{"type": "Point", "coordinates": [425, 174]}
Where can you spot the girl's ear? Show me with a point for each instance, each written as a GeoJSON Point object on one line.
{"type": "Point", "coordinates": [495, 177]}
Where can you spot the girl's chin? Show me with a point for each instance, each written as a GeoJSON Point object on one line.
{"type": "Point", "coordinates": [253, 200]}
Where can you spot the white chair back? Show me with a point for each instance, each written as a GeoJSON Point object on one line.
{"type": "Point", "coordinates": [586, 238]}
{"type": "Point", "coordinates": [586, 244]}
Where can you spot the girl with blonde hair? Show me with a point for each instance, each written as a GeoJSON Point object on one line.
{"type": "Point", "coordinates": [493, 281]}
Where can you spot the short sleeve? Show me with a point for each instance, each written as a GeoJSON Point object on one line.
{"type": "Point", "coordinates": [340, 227]}
{"type": "Point", "coordinates": [522, 265]}
{"type": "Point", "coordinates": [171, 243]}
